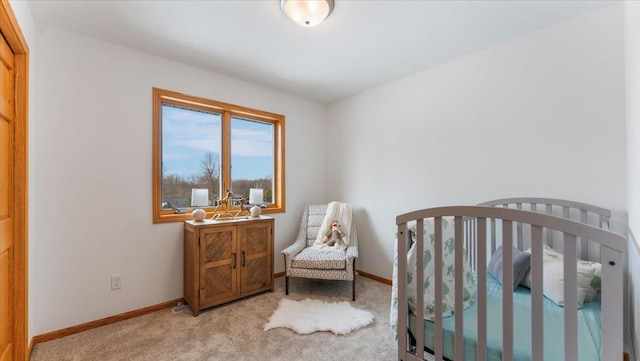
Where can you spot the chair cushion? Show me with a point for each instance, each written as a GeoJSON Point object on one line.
{"type": "Point", "coordinates": [312, 258]}
{"type": "Point", "coordinates": [316, 214]}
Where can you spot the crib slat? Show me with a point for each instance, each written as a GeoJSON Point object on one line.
{"type": "Point", "coordinates": [468, 243]}
{"type": "Point", "coordinates": [437, 342]}
{"type": "Point", "coordinates": [419, 283]}
{"type": "Point", "coordinates": [549, 211]}
{"type": "Point", "coordinates": [474, 244]}
{"type": "Point", "coordinates": [533, 207]}
{"type": "Point", "coordinates": [459, 273]}
{"type": "Point", "coordinates": [482, 289]}
{"type": "Point", "coordinates": [520, 234]}
{"type": "Point", "coordinates": [536, 294]}
{"type": "Point", "coordinates": [584, 246]}
{"type": "Point", "coordinates": [570, 299]}
{"type": "Point", "coordinates": [471, 251]}
{"type": "Point", "coordinates": [403, 239]}
{"type": "Point", "coordinates": [507, 290]}
{"type": "Point", "coordinates": [583, 216]}
{"type": "Point", "coordinates": [493, 236]}
{"type": "Point", "coordinates": [604, 222]}
{"type": "Point", "coordinates": [566, 215]}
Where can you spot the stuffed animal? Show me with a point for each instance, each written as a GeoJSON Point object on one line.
{"type": "Point", "coordinates": [335, 237]}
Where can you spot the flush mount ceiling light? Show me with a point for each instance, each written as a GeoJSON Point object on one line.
{"type": "Point", "coordinates": [307, 12]}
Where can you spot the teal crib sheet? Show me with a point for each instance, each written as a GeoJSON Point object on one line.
{"type": "Point", "coordinates": [589, 328]}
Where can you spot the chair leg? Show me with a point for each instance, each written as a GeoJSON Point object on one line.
{"type": "Point", "coordinates": [286, 285]}
{"type": "Point", "coordinates": [286, 278]}
{"type": "Point", "coordinates": [353, 291]}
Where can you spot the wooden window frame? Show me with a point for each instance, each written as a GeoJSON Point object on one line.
{"type": "Point", "coordinates": [227, 111]}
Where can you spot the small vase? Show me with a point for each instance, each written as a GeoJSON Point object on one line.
{"type": "Point", "coordinates": [255, 211]}
{"type": "Point", "coordinates": [198, 214]}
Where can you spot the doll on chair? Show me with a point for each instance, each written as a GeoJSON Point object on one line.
{"type": "Point", "coordinates": [334, 238]}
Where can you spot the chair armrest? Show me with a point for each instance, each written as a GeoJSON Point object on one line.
{"type": "Point", "coordinates": [295, 248]}
{"type": "Point", "coordinates": [352, 252]}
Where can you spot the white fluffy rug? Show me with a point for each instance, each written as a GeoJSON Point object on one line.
{"type": "Point", "coordinates": [309, 316]}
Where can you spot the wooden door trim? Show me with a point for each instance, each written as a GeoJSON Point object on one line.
{"type": "Point", "coordinates": [13, 35]}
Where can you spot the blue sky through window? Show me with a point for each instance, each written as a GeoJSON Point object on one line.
{"type": "Point", "coordinates": [251, 149]}
{"type": "Point", "coordinates": [187, 135]}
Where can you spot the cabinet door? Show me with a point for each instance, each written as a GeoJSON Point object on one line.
{"type": "Point", "coordinates": [218, 264]}
{"type": "Point", "coordinates": [256, 257]}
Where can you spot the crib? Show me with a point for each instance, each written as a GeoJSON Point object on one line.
{"type": "Point", "coordinates": [579, 231]}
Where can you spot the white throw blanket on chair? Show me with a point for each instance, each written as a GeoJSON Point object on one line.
{"type": "Point", "coordinates": [340, 212]}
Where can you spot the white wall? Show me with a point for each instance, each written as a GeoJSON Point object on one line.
{"type": "Point", "coordinates": [91, 154]}
{"type": "Point", "coordinates": [632, 57]}
{"type": "Point", "coordinates": [542, 115]}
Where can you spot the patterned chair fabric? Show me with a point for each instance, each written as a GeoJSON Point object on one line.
{"type": "Point", "coordinates": [317, 259]}
{"type": "Point", "coordinates": [303, 261]}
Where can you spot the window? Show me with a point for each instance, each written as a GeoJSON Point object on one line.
{"type": "Point", "coordinates": [201, 143]}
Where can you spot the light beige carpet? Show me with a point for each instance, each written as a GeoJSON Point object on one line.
{"type": "Point", "coordinates": [235, 331]}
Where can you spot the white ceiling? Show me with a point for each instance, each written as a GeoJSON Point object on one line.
{"type": "Point", "coordinates": [360, 45]}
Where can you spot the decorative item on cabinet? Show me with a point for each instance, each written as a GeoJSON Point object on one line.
{"type": "Point", "coordinates": [255, 198]}
{"type": "Point", "coordinates": [199, 198]}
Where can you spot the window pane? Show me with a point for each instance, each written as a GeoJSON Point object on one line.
{"type": "Point", "coordinates": [252, 146]}
{"type": "Point", "coordinates": [191, 148]}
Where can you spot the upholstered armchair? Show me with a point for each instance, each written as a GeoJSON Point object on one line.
{"type": "Point", "coordinates": [303, 260]}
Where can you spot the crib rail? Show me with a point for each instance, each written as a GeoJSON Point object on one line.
{"type": "Point", "coordinates": [581, 212]}
{"type": "Point", "coordinates": [480, 222]}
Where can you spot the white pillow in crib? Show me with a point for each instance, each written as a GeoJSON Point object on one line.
{"type": "Point", "coordinates": [553, 282]}
{"type": "Point", "coordinates": [551, 255]}
{"type": "Point", "coordinates": [548, 255]}
{"type": "Point", "coordinates": [595, 284]}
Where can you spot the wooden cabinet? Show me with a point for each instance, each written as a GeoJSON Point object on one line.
{"type": "Point", "coordinates": [226, 260]}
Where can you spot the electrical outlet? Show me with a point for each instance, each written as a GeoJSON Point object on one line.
{"type": "Point", "coordinates": [116, 282]}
